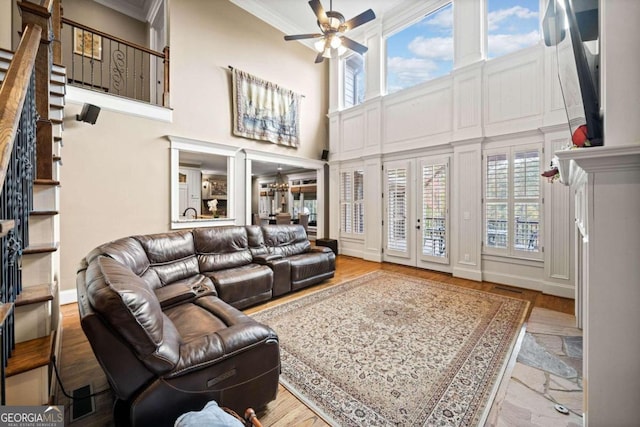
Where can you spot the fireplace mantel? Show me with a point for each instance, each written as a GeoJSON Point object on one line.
{"type": "Point", "coordinates": [572, 164]}
{"type": "Point", "coordinates": [606, 186]}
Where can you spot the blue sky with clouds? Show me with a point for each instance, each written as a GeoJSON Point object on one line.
{"type": "Point", "coordinates": [424, 50]}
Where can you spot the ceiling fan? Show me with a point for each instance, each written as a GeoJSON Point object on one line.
{"type": "Point", "coordinates": [333, 26]}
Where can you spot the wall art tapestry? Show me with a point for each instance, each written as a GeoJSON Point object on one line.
{"type": "Point", "coordinates": [264, 111]}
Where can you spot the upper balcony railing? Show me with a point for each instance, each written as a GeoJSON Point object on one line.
{"type": "Point", "coordinates": [98, 61]}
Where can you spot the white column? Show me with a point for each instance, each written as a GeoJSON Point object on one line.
{"type": "Point", "coordinates": [467, 210]}
{"type": "Point", "coordinates": [374, 62]}
{"type": "Point", "coordinates": [373, 209]}
{"type": "Point", "coordinates": [469, 23]}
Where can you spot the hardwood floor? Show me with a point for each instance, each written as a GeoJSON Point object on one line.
{"type": "Point", "coordinates": [79, 366]}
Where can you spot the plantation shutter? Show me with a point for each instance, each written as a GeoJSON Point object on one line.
{"type": "Point", "coordinates": [434, 210]}
{"type": "Point", "coordinates": [397, 209]}
{"type": "Point", "coordinates": [358, 202]}
{"type": "Point", "coordinates": [497, 200]}
{"type": "Point", "coordinates": [526, 195]}
{"type": "Point", "coordinates": [346, 199]}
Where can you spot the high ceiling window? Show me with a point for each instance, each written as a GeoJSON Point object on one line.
{"type": "Point", "coordinates": [353, 87]}
{"type": "Point", "coordinates": [512, 25]}
{"type": "Point", "coordinates": [422, 51]}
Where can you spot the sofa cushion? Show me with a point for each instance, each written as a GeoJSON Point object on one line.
{"type": "Point", "coordinates": [286, 240]}
{"type": "Point", "coordinates": [212, 330]}
{"type": "Point", "coordinates": [237, 284]}
{"type": "Point", "coordinates": [221, 248]}
{"type": "Point", "coordinates": [310, 264]}
{"type": "Point", "coordinates": [171, 256]}
{"type": "Point", "coordinates": [256, 241]}
{"type": "Point", "coordinates": [132, 309]}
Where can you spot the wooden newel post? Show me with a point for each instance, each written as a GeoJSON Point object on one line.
{"type": "Point", "coordinates": [40, 15]}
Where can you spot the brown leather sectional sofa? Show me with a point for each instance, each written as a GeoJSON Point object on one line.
{"type": "Point", "coordinates": [161, 313]}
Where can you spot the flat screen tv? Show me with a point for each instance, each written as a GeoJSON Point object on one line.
{"type": "Point", "coordinates": [572, 27]}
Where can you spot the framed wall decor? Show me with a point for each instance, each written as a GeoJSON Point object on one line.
{"type": "Point", "coordinates": [87, 44]}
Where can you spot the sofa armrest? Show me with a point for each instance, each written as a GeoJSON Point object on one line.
{"type": "Point", "coordinates": [265, 259]}
{"type": "Point", "coordinates": [185, 291]}
{"type": "Point", "coordinates": [281, 271]}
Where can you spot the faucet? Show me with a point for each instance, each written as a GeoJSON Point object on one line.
{"type": "Point", "coordinates": [195, 213]}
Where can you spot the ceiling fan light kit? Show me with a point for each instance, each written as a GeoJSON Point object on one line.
{"type": "Point", "coordinates": [333, 26]}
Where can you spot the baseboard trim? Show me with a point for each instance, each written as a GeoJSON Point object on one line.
{"type": "Point", "coordinates": [69, 296]}
{"type": "Point", "coordinates": [548, 288]}
{"type": "Point", "coordinates": [467, 274]}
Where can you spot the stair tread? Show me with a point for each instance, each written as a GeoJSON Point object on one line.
{"type": "Point", "coordinates": [36, 294]}
{"type": "Point", "coordinates": [39, 181]}
{"type": "Point", "coordinates": [44, 213]}
{"type": "Point", "coordinates": [41, 248]}
{"type": "Point", "coordinates": [30, 355]}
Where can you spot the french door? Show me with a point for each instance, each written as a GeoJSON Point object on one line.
{"type": "Point", "coordinates": [416, 212]}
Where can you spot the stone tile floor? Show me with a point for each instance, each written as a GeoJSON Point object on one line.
{"type": "Point", "coordinates": [548, 371]}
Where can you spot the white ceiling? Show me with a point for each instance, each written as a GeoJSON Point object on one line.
{"type": "Point", "coordinates": [288, 16]}
{"type": "Point", "coordinates": [297, 17]}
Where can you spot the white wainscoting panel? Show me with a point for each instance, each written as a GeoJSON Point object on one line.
{"type": "Point", "coordinates": [513, 92]}
{"type": "Point", "coordinates": [353, 131]}
{"type": "Point", "coordinates": [467, 103]}
{"type": "Point", "coordinates": [558, 207]}
{"type": "Point", "coordinates": [335, 149]}
{"type": "Point", "coordinates": [554, 112]}
{"type": "Point", "coordinates": [373, 127]}
{"type": "Point", "coordinates": [351, 247]}
{"type": "Point", "coordinates": [412, 115]}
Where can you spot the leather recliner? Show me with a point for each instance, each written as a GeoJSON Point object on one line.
{"type": "Point", "coordinates": [161, 314]}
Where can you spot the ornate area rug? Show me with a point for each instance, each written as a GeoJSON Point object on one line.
{"type": "Point", "coordinates": [389, 349]}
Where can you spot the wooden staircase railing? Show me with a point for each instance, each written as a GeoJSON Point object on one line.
{"type": "Point", "coordinates": [18, 117]}
{"type": "Point", "coordinates": [102, 62]}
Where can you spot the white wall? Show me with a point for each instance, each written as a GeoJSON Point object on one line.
{"type": "Point", "coordinates": [115, 175]}
{"type": "Point", "coordinates": [510, 100]}
{"type": "Point", "coordinates": [5, 25]}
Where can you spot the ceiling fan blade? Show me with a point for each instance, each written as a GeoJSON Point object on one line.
{"type": "Point", "coordinates": [363, 18]}
{"type": "Point", "coordinates": [303, 36]}
{"type": "Point", "coordinates": [319, 11]}
{"type": "Point", "coordinates": [319, 58]}
{"type": "Point", "coordinates": [355, 46]}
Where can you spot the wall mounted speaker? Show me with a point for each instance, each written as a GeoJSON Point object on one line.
{"type": "Point", "coordinates": [88, 114]}
{"type": "Point", "coordinates": [325, 155]}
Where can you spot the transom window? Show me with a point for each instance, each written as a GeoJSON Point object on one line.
{"type": "Point", "coordinates": [512, 25]}
{"type": "Point", "coordinates": [422, 51]}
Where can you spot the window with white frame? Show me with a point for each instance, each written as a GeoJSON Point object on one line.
{"type": "Point", "coordinates": [353, 80]}
{"type": "Point", "coordinates": [421, 51]}
{"type": "Point", "coordinates": [513, 202]}
{"type": "Point", "coordinates": [512, 25]}
{"type": "Point", "coordinates": [352, 202]}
